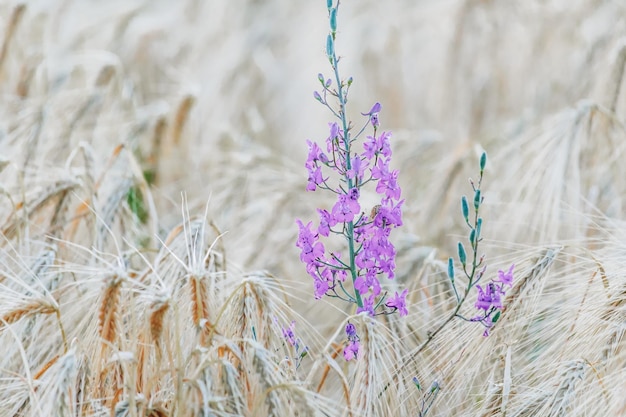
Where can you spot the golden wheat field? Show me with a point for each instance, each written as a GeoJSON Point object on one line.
{"type": "Point", "coordinates": [152, 170]}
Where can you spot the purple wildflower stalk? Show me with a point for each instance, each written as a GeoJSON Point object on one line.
{"type": "Point", "coordinates": [370, 253]}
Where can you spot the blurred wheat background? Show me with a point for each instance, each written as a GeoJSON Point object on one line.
{"type": "Point", "coordinates": [151, 170]}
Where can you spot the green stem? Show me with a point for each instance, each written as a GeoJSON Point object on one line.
{"type": "Point", "coordinates": [346, 141]}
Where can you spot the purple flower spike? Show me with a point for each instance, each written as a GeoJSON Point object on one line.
{"type": "Point", "coordinates": [365, 230]}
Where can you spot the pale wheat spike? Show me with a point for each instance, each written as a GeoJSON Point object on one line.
{"type": "Point", "coordinates": [159, 309]}
{"type": "Point", "coordinates": [107, 318]}
{"type": "Point", "coordinates": [199, 301]}
{"type": "Point", "coordinates": [542, 265]}
{"type": "Point", "coordinates": [28, 309]}
{"type": "Point", "coordinates": [182, 114]}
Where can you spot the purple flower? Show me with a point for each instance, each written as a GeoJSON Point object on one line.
{"type": "Point", "coordinates": [489, 297]}
{"type": "Point", "coordinates": [311, 249]}
{"type": "Point", "coordinates": [366, 283]}
{"type": "Point", "coordinates": [315, 179]}
{"type": "Point", "coordinates": [326, 222]}
{"type": "Point", "coordinates": [357, 168]}
{"type": "Point", "coordinates": [374, 120]}
{"type": "Point", "coordinates": [289, 335]}
{"type": "Point", "coordinates": [399, 302]}
{"type": "Point", "coordinates": [345, 209]}
{"type": "Point", "coordinates": [368, 305]}
{"type": "Point", "coordinates": [375, 109]}
{"type": "Point", "coordinates": [384, 146]}
{"type": "Point", "coordinates": [321, 287]}
{"type": "Point", "coordinates": [388, 185]}
{"type": "Point", "coordinates": [335, 134]}
{"type": "Point", "coordinates": [506, 278]}
{"type": "Point", "coordinates": [315, 154]}
{"type": "Point", "coordinates": [351, 351]}
{"type": "Point", "coordinates": [373, 114]}
{"type": "Point", "coordinates": [351, 331]}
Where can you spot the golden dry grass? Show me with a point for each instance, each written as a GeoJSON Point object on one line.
{"type": "Point", "coordinates": [151, 170]}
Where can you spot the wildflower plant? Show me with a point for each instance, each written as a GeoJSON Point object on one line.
{"type": "Point", "coordinates": [370, 254]}
{"type": "Point", "coordinates": [489, 300]}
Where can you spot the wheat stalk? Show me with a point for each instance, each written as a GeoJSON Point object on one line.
{"type": "Point", "coordinates": [109, 310]}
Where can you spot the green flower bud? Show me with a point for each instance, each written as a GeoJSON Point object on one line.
{"type": "Point", "coordinates": [330, 47]}
{"type": "Point", "coordinates": [465, 208]}
{"type": "Point", "coordinates": [483, 161]}
{"type": "Point", "coordinates": [333, 20]}
{"type": "Point", "coordinates": [451, 269]}
{"type": "Point", "coordinates": [462, 256]}
{"type": "Point", "coordinates": [496, 317]}
{"type": "Point", "coordinates": [477, 199]}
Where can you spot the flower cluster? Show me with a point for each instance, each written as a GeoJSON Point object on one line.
{"type": "Point", "coordinates": [489, 299]}
{"type": "Point", "coordinates": [370, 253]}
{"type": "Point", "coordinates": [352, 349]}
{"type": "Point", "coordinates": [373, 254]}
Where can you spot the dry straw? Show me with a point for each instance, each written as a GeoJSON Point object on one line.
{"type": "Point", "coordinates": [112, 303]}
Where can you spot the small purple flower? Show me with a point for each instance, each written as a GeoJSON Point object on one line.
{"type": "Point", "coordinates": [335, 134]}
{"type": "Point", "coordinates": [489, 297]}
{"type": "Point", "coordinates": [315, 154]}
{"type": "Point", "coordinates": [506, 278]}
{"type": "Point", "coordinates": [374, 120]}
{"type": "Point", "coordinates": [321, 287]}
{"type": "Point", "coordinates": [373, 115]}
{"type": "Point", "coordinates": [357, 168]}
{"type": "Point", "coordinates": [289, 334]}
{"type": "Point", "coordinates": [345, 209]}
{"type": "Point", "coordinates": [399, 302]}
{"type": "Point", "coordinates": [351, 331]}
{"type": "Point", "coordinates": [351, 351]}
{"type": "Point", "coordinates": [315, 179]}
{"type": "Point", "coordinates": [384, 147]}
{"type": "Point", "coordinates": [374, 110]}
{"type": "Point", "coordinates": [354, 194]}
{"type": "Point", "coordinates": [326, 222]}
{"type": "Point", "coordinates": [311, 249]}
{"type": "Point", "coordinates": [368, 305]}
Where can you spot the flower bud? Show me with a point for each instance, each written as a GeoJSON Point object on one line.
{"type": "Point", "coordinates": [330, 47]}
{"type": "Point", "coordinates": [483, 161]}
{"type": "Point", "coordinates": [462, 256]}
{"type": "Point", "coordinates": [317, 96]}
{"type": "Point", "coordinates": [451, 269]}
{"type": "Point", "coordinates": [477, 199]}
{"type": "Point", "coordinates": [333, 19]}
{"type": "Point", "coordinates": [465, 208]}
